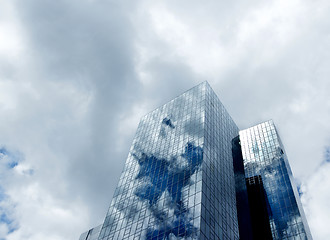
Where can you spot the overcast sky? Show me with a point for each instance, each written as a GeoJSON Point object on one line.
{"type": "Point", "coordinates": [76, 77]}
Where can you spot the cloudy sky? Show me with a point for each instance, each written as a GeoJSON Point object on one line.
{"type": "Point", "coordinates": [76, 77]}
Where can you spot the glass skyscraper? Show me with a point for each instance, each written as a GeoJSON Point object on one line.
{"type": "Point", "coordinates": [266, 167]}
{"type": "Point", "coordinates": [191, 174]}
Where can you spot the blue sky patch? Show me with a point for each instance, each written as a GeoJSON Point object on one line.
{"type": "Point", "coordinates": [327, 155]}
{"type": "Point", "coordinates": [12, 159]}
{"type": "Point", "coordinates": [3, 151]}
{"type": "Point", "coordinates": [8, 161]}
{"type": "Point", "coordinates": [4, 217]}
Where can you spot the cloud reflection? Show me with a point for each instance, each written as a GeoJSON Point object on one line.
{"type": "Point", "coordinates": [161, 175]}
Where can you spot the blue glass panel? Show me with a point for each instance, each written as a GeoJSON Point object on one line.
{"type": "Point", "coordinates": [263, 155]}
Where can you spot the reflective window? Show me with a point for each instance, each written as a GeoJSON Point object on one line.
{"type": "Point", "coordinates": [264, 156]}
{"type": "Point", "coordinates": [178, 178]}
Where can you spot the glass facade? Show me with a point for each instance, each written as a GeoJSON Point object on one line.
{"type": "Point", "coordinates": [191, 174]}
{"type": "Point", "coordinates": [91, 234]}
{"type": "Point", "coordinates": [159, 194]}
{"type": "Point", "coordinates": [219, 216]}
{"type": "Point", "coordinates": [178, 180]}
{"type": "Point", "coordinates": [264, 158]}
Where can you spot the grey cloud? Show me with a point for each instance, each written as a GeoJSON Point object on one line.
{"type": "Point", "coordinates": [83, 53]}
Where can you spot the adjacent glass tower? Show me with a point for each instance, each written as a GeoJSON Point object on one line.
{"type": "Point", "coordinates": [179, 180]}
{"type": "Point", "coordinates": [266, 168]}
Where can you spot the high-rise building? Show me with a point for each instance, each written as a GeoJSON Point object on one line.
{"type": "Point", "coordinates": [186, 168]}
{"type": "Point", "coordinates": [267, 169]}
